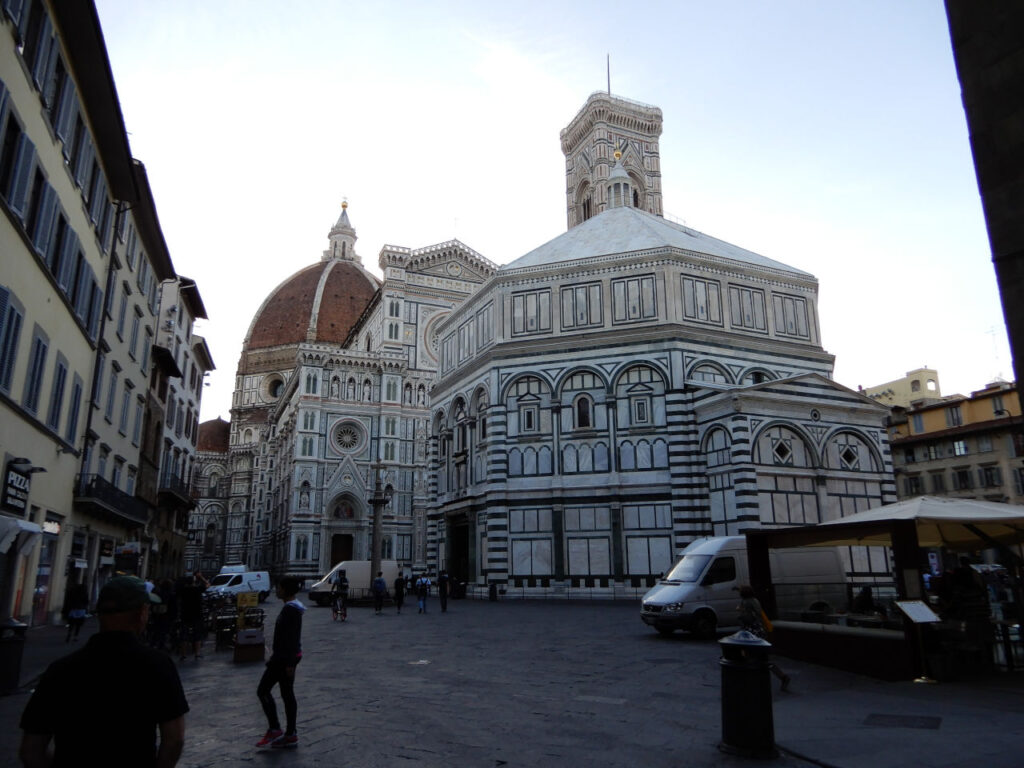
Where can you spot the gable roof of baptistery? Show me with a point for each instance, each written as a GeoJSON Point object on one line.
{"type": "Point", "coordinates": [626, 230]}
{"type": "Point", "coordinates": [320, 303]}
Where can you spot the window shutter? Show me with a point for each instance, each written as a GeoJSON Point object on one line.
{"type": "Point", "coordinates": [66, 112]}
{"type": "Point", "coordinates": [3, 103]}
{"type": "Point", "coordinates": [67, 260]}
{"type": "Point", "coordinates": [24, 165]}
{"type": "Point", "coordinates": [9, 335]}
{"type": "Point", "coordinates": [95, 310]}
{"type": "Point", "coordinates": [13, 9]}
{"type": "Point", "coordinates": [44, 224]}
{"type": "Point", "coordinates": [84, 164]}
{"type": "Point", "coordinates": [5, 300]}
{"type": "Point", "coordinates": [45, 49]}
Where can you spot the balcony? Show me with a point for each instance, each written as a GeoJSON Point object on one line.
{"type": "Point", "coordinates": [174, 492]}
{"type": "Point", "coordinates": [102, 499]}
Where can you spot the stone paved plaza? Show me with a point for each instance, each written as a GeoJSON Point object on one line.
{"type": "Point", "coordinates": [485, 684]}
{"type": "Point", "coordinates": [528, 684]}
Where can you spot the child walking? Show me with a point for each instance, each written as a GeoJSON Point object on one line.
{"type": "Point", "coordinates": [280, 671]}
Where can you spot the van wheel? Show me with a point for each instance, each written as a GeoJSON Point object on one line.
{"type": "Point", "coordinates": [263, 596]}
{"type": "Point", "coordinates": [821, 607]}
{"type": "Point", "coordinates": [320, 600]}
{"type": "Point", "coordinates": [665, 631]}
{"type": "Point", "coordinates": [705, 625]}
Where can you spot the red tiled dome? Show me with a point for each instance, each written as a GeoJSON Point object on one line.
{"type": "Point", "coordinates": [214, 436]}
{"type": "Point", "coordinates": [332, 294]}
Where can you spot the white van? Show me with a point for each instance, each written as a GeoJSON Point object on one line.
{"type": "Point", "coordinates": [358, 574]}
{"type": "Point", "coordinates": [701, 593]}
{"type": "Point", "coordinates": [235, 583]}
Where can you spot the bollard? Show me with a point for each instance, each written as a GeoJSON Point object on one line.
{"type": "Point", "coordinates": [747, 725]}
{"type": "Point", "coordinates": [12, 644]}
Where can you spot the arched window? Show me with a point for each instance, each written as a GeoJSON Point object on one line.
{"type": "Point", "coordinates": [584, 418]}
{"type": "Point", "coordinates": [708, 373]}
{"type": "Point", "coordinates": [387, 549]}
{"type": "Point", "coordinates": [210, 540]}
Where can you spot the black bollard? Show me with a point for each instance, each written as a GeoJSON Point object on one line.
{"type": "Point", "coordinates": [747, 725]}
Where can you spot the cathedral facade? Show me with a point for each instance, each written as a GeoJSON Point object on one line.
{"type": "Point", "coordinates": [569, 420]}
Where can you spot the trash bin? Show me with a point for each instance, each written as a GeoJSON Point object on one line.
{"type": "Point", "coordinates": [747, 725]}
{"type": "Point", "coordinates": [12, 644]}
{"type": "Point", "coordinates": [492, 592]}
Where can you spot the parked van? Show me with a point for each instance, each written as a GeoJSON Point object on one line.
{"type": "Point", "coordinates": [358, 574]}
{"type": "Point", "coordinates": [236, 583]}
{"type": "Point", "coordinates": [701, 592]}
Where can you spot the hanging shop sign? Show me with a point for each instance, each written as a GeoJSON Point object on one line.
{"type": "Point", "coordinates": [15, 490]}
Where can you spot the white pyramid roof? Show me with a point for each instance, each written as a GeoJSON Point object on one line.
{"type": "Point", "coordinates": [624, 230]}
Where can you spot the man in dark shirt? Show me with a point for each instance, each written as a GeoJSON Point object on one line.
{"type": "Point", "coordinates": [102, 705]}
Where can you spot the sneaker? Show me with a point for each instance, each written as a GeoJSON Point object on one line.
{"type": "Point", "coordinates": [270, 737]}
{"type": "Point", "coordinates": [285, 741]}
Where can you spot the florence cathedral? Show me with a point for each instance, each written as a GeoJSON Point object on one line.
{"type": "Point", "coordinates": [569, 420]}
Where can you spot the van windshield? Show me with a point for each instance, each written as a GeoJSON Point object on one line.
{"type": "Point", "coordinates": [689, 568]}
{"type": "Point", "coordinates": [220, 580]}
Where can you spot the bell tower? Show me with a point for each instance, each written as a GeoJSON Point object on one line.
{"type": "Point", "coordinates": [607, 125]}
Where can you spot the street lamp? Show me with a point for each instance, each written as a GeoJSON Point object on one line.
{"type": "Point", "coordinates": [379, 500]}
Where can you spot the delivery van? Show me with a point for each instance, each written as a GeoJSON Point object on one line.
{"type": "Point", "coordinates": [701, 593]}
{"type": "Point", "coordinates": [358, 574]}
{"type": "Point", "coordinates": [224, 584]}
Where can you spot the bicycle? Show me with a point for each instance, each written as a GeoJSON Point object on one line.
{"type": "Point", "coordinates": [339, 611]}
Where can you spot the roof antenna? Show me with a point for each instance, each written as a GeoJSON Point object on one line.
{"type": "Point", "coordinates": [609, 61]}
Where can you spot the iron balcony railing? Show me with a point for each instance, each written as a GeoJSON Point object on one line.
{"type": "Point", "coordinates": [94, 489]}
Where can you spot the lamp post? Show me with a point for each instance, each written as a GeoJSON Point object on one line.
{"type": "Point", "coordinates": [379, 500]}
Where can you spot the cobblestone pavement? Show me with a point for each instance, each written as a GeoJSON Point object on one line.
{"type": "Point", "coordinates": [528, 684]}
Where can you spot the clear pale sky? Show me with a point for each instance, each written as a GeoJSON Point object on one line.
{"type": "Point", "coordinates": [829, 136]}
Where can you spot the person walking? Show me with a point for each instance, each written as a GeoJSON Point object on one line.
{"type": "Point", "coordinates": [442, 590]}
{"type": "Point", "coordinates": [78, 605]}
{"type": "Point", "coordinates": [399, 592]}
{"type": "Point", "coordinates": [105, 703]}
{"type": "Point", "coordinates": [753, 619]}
{"type": "Point", "coordinates": [190, 612]}
{"type": "Point", "coordinates": [380, 591]}
{"type": "Point", "coordinates": [339, 594]}
{"type": "Point", "coordinates": [286, 653]}
{"type": "Point", "coordinates": [422, 590]}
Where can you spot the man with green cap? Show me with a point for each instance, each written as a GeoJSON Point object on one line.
{"type": "Point", "coordinates": [103, 704]}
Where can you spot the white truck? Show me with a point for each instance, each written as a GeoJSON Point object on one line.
{"type": "Point", "coordinates": [358, 574]}
{"type": "Point", "coordinates": [700, 593]}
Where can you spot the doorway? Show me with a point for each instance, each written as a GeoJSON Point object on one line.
{"type": "Point", "coordinates": [341, 548]}
{"type": "Point", "coordinates": [458, 553]}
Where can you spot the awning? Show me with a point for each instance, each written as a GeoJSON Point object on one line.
{"type": "Point", "coordinates": [956, 524]}
{"type": "Point", "coordinates": [12, 527]}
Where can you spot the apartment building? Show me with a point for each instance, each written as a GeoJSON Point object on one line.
{"type": "Point", "coordinates": [80, 295]}
{"type": "Point", "coordinates": [968, 447]}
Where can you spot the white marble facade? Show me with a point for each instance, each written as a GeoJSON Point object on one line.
{"type": "Point", "coordinates": [571, 419]}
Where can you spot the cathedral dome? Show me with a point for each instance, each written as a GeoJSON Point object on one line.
{"type": "Point", "coordinates": [321, 303]}
{"type": "Point", "coordinates": [214, 436]}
